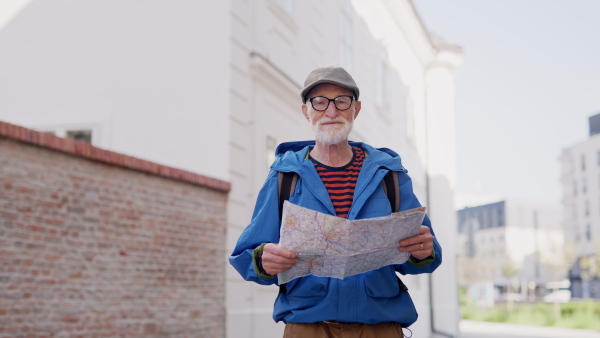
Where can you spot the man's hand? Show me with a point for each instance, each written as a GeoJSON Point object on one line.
{"type": "Point", "coordinates": [276, 259]}
{"type": "Point", "coordinates": [418, 246]}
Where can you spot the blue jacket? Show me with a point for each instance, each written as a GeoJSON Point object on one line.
{"type": "Point", "coordinates": [372, 297]}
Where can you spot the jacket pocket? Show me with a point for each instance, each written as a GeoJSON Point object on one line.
{"type": "Point", "coordinates": [382, 283]}
{"type": "Point", "coordinates": [307, 287]}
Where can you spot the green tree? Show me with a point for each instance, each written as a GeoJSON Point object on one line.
{"type": "Point", "coordinates": [510, 269]}
{"type": "Point", "coordinates": [558, 260]}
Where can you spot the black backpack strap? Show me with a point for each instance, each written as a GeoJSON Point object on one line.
{"type": "Point", "coordinates": [392, 190]}
{"type": "Point", "coordinates": [286, 184]}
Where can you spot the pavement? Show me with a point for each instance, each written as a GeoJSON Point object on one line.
{"type": "Point", "coordinates": [473, 329]}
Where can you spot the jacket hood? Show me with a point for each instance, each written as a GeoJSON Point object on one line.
{"type": "Point", "coordinates": [289, 156]}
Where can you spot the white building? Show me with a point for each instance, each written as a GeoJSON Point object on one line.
{"type": "Point", "coordinates": [213, 86]}
{"type": "Point", "coordinates": [525, 237]}
{"type": "Point", "coordinates": [580, 178]}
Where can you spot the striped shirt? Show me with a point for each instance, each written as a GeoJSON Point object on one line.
{"type": "Point", "coordinates": [341, 181]}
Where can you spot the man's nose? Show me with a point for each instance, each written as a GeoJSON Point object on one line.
{"type": "Point", "coordinates": [332, 110]}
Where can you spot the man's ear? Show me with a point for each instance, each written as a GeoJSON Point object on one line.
{"type": "Point", "coordinates": [357, 107]}
{"type": "Point", "coordinates": [305, 111]}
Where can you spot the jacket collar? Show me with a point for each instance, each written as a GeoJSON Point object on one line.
{"type": "Point", "coordinates": [291, 156]}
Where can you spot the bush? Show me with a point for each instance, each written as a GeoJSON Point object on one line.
{"type": "Point", "coordinates": [578, 315]}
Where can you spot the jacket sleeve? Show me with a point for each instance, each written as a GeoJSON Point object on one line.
{"type": "Point", "coordinates": [263, 228]}
{"type": "Point", "coordinates": [408, 200]}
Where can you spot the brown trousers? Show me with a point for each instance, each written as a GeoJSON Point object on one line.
{"type": "Point", "coordinates": [342, 330]}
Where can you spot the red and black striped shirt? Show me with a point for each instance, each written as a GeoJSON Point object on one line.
{"type": "Point", "coordinates": [341, 181]}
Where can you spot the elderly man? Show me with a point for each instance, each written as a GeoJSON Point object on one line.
{"type": "Point", "coordinates": [344, 179]}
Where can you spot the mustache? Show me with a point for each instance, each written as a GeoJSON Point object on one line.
{"type": "Point", "coordinates": [335, 120]}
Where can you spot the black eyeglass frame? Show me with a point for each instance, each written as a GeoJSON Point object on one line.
{"type": "Point", "coordinates": [352, 99]}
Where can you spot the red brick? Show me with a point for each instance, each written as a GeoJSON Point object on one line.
{"type": "Point", "coordinates": [149, 329]}
{"type": "Point", "coordinates": [52, 256]}
{"type": "Point", "coordinates": [7, 214]}
{"type": "Point", "coordinates": [36, 246]}
{"type": "Point", "coordinates": [52, 238]}
{"type": "Point", "coordinates": [70, 319]}
{"type": "Point", "coordinates": [77, 274]}
{"type": "Point", "coordinates": [25, 190]}
{"type": "Point", "coordinates": [34, 227]}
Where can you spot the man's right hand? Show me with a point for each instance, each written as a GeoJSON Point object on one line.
{"type": "Point", "coordinates": [276, 259]}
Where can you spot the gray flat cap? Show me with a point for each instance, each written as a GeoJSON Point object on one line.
{"type": "Point", "coordinates": [335, 75]}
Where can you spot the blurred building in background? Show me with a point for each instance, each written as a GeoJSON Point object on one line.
{"type": "Point", "coordinates": [580, 178]}
{"type": "Point", "coordinates": [514, 246]}
{"type": "Point", "coordinates": [213, 86]}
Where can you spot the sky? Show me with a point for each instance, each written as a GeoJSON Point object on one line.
{"type": "Point", "coordinates": [529, 81]}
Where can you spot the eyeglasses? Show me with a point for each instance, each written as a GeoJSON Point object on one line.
{"type": "Point", "coordinates": [321, 103]}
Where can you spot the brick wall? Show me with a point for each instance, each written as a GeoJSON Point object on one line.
{"type": "Point", "coordinates": [94, 243]}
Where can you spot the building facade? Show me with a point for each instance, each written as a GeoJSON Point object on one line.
{"type": "Point", "coordinates": [580, 178]}
{"type": "Point", "coordinates": [213, 87]}
{"type": "Point", "coordinates": [511, 244]}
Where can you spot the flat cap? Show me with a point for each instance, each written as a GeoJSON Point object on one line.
{"type": "Point", "coordinates": [335, 75]}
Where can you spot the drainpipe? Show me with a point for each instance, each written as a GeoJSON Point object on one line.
{"type": "Point", "coordinates": [430, 280]}
{"type": "Point", "coordinates": [428, 199]}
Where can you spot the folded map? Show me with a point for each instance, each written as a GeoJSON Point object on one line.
{"type": "Point", "coordinates": [330, 246]}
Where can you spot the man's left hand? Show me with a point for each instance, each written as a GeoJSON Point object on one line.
{"type": "Point", "coordinates": [418, 246]}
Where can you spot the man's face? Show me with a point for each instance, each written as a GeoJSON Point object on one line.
{"type": "Point", "coordinates": [331, 126]}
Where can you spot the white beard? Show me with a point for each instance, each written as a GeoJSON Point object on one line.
{"type": "Point", "coordinates": [333, 134]}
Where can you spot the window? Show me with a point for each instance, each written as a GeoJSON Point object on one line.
{"type": "Point", "coordinates": [574, 188]}
{"type": "Point", "coordinates": [461, 223]}
{"type": "Point", "coordinates": [584, 186]}
{"type": "Point", "coordinates": [382, 82]}
{"type": "Point", "coordinates": [284, 11]}
{"type": "Point", "coordinates": [500, 217]}
{"type": "Point", "coordinates": [271, 146]}
{"type": "Point", "coordinates": [288, 5]}
{"type": "Point", "coordinates": [587, 208]}
{"type": "Point", "coordinates": [79, 134]}
{"type": "Point", "coordinates": [481, 219]}
{"type": "Point", "coordinates": [346, 36]}
{"type": "Point", "coordinates": [582, 162]}
{"type": "Point", "coordinates": [410, 122]}
{"type": "Point", "coordinates": [588, 232]}
{"type": "Point", "coordinates": [598, 156]}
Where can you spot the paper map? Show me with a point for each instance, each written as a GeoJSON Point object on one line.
{"type": "Point", "coordinates": [330, 246]}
